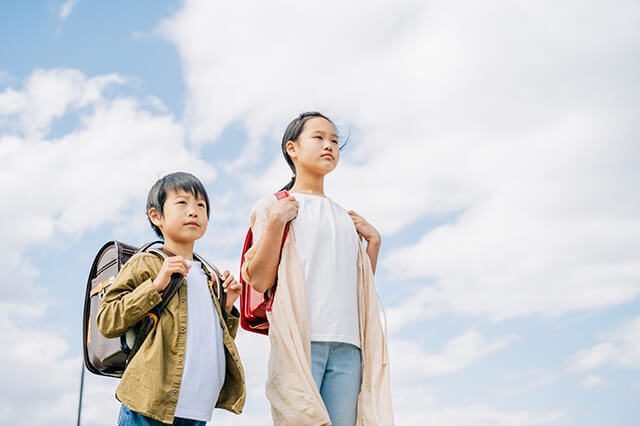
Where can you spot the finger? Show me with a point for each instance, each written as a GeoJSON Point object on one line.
{"type": "Point", "coordinates": [233, 288]}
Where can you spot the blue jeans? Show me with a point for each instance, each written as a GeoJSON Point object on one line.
{"type": "Point", "coordinates": [337, 371]}
{"type": "Point", "coordinates": [129, 417]}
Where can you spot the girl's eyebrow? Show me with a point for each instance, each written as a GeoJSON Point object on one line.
{"type": "Point", "coordinates": [333, 135]}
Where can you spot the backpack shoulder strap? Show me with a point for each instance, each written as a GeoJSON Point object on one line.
{"type": "Point", "coordinates": [217, 276]}
{"type": "Point", "coordinates": [282, 194]}
{"type": "Point", "coordinates": [152, 317]}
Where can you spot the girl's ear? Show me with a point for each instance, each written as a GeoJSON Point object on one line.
{"type": "Point", "coordinates": [155, 216]}
{"type": "Point", "coordinates": [291, 149]}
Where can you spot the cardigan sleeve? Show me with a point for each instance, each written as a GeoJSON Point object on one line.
{"type": "Point", "coordinates": [258, 220]}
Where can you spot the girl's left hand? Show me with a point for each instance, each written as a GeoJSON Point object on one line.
{"type": "Point", "coordinates": [232, 288]}
{"type": "Point", "coordinates": [364, 228]}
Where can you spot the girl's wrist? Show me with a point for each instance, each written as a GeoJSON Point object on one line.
{"type": "Point", "coordinates": [374, 240]}
{"type": "Point", "coordinates": [276, 220]}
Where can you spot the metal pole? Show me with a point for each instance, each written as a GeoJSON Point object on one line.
{"type": "Point", "coordinates": [81, 390]}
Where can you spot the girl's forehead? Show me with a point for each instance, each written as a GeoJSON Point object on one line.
{"type": "Point", "coordinates": [319, 124]}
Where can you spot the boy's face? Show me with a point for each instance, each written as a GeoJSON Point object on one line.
{"type": "Point", "coordinates": [184, 219]}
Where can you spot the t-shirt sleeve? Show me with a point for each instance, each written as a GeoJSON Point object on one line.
{"type": "Point", "coordinates": [259, 217]}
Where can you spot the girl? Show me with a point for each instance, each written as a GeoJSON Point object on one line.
{"type": "Point", "coordinates": [328, 362]}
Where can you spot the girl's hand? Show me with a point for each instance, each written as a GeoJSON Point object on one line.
{"type": "Point", "coordinates": [364, 228]}
{"type": "Point", "coordinates": [232, 288]}
{"type": "Point", "coordinates": [170, 266]}
{"type": "Point", "coordinates": [285, 210]}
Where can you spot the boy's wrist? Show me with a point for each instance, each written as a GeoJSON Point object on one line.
{"type": "Point", "coordinates": [156, 284]}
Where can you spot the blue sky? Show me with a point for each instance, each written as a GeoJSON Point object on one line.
{"type": "Point", "coordinates": [494, 146]}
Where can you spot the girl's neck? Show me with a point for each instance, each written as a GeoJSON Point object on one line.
{"type": "Point", "coordinates": [311, 185]}
{"type": "Point", "coordinates": [179, 249]}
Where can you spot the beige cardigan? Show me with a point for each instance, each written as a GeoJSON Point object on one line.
{"type": "Point", "coordinates": [294, 396]}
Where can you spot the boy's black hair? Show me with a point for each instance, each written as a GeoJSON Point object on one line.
{"type": "Point", "coordinates": [291, 134]}
{"type": "Point", "coordinates": [173, 182]}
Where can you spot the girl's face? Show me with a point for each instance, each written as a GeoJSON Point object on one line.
{"type": "Point", "coordinates": [316, 150]}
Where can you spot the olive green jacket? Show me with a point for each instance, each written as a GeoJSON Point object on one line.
{"type": "Point", "coordinates": [151, 382]}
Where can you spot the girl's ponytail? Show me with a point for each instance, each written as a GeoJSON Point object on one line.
{"type": "Point", "coordinates": [288, 186]}
{"type": "Point", "coordinates": [291, 134]}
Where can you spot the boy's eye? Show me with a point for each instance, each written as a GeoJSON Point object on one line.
{"type": "Point", "coordinates": [318, 137]}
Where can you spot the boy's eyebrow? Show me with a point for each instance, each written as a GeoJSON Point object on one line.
{"type": "Point", "coordinates": [186, 194]}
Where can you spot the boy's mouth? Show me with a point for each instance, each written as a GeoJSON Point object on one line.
{"type": "Point", "coordinates": [328, 156]}
{"type": "Point", "coordinates": [192, 224]}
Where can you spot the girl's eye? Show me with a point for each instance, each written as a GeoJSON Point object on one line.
{"type": "Point", "coordinates": [334, 141]}
{"type": "Point", "coordinates": [182, 202]}
{"type": "Point", "coordinates": [318, 137]}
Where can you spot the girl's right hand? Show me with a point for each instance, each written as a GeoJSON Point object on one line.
{"type": "Point", "coordinates": [285, 210]}
{"type": "Point", "coordinates": [171, 265]}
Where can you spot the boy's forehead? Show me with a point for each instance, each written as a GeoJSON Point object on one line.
{"type": "Point", "coordinates": [181, 192]}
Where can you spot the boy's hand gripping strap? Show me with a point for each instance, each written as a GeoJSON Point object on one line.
{"type": "Point", "coordinates": [151, 318]}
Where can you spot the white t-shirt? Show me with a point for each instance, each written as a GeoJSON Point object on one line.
{"type": "Point", "coordinates": [327, 242]}
{"type": "Point", "coordinates": [204, 363]}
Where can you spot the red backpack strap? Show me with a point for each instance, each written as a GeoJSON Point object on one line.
{"type": "Point", "coordinates": [282, 194]}
{"type": "Point", "coordinates": [253, 304]}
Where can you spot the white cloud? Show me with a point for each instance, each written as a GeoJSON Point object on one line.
{"type": "Point", "coordinates": [410, 363]}
{"type": "Point", "coordinates": [35, 365]}
{"type": "Point", "coordinates": [66, 8]}
{"type": "Point", "coordinates": [486, 114]}
{"type": "Point", "coordinates": [98, 172]}
{"type": "Point", "coordinates": [590, 382]}
{"type": "Point", "coordinates": [621, 349]}
{"type": "Point", "coordinates": [417, 405]}
{"type": "Point", "coordinates": [48, 95]}
{"type": "Point", "coordinates": [92, 175]}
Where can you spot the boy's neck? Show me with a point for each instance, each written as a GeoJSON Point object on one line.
{"type": "Point", "coordinates": [307, 184]}
{"type": "Point", "coordinates": [179, 249]}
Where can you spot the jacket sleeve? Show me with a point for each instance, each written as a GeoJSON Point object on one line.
{"type": "Point", "coordinates": [129, 298]}
{"type": "Point", "coordinates": [232, 319]}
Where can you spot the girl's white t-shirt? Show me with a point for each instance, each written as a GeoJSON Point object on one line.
{"type": "Point", "coordinates": [327, 242]}
{"type": "Point", "coordinates": [204, 363]}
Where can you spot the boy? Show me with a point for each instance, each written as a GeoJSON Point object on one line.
{"type": "Point", "coordinates": [188, 364]}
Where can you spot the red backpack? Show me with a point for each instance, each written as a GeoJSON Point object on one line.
{"type": "Point", "coordinates": [254, 305]}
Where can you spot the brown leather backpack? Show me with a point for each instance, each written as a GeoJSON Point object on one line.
{"type": "Point", "coordinates": [109, 356]}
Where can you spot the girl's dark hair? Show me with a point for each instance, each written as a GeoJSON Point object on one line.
{"type": "Point", "coordinates": [173, 182]}
{"type": "Point", "coordinates": [291, 134]}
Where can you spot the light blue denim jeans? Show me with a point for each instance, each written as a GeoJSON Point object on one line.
{"type": "Point", "coordinates": [337, 371]}
{"type": "Point", "coordinates": [129, 417]}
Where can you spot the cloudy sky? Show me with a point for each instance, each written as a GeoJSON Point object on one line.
{"type": "Point", "coordinates": [495, 145]}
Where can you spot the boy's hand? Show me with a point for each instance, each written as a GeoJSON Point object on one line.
{"type": "Point", "coordinates": [232, 288]}
{"type": "Point", "coordinates": [171, 265]}
{"type": "Point", "coordinates": [364, 228]}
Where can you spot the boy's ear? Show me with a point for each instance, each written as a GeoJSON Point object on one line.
{"type": "Point", "coordinates": [155, 216]}
{"type": "Point", "coordinates": [290, 146]}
